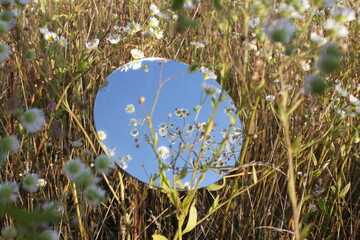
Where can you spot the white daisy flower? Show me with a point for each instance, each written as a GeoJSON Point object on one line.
{"type": "Point", "coordinates": [62, 42]}
{"type": "Point", "coordinates": [8, 192]}
{"type": "Point", "coordinates": [51, 37]}
{"type": "Point", "coordinates": [94, 195]}
{"type": "Point", "coordinates": [101, 134]}
{"type": "Point", "coordinates": [130, 108]}
{"type": "Point", "coordinates": [154, 9]}
{"type": "Point", "coordinates": [44, 30]}
{"type": "Point", "coordinates": [335, 28]}
{"type": "Point", "coordinates": [33, 119]}
{"type": "Point", "coordinates": [316, 38]}
{"type": "Point", "coordinates": [136, 53]}
{"type": "Point", "coordinates": [197, 44]}
{"type": "Point", "coordinates": [158, 33]}
{"type": "Point", "coordinates": [133, 122]}
{"type": "Point", "coordinates": [163, 132]}
{"type": "Point", "coordinates": [280, 30]}
{"type": "Point", "coordinates": [103, 164]}
{"type": "Point", "coordinates": [208, 73]}
{"type": "Point", "coordinates": [210, 89]}
{"type": "Point", "coordinates": [153, 22]}
{"type": "Point", "coordinates": [73, 168]}
{"type": "Point", "coordinates": [270, 98]}
{"type": "Point", "coordinates": [114, 38]}
{"type": "Point", "coordinates": [343, 14]}
{"type": "Point", "coordinates": [42, 182]}
{"type": "Point", "coordinates": [163, 152]}
{"type": "Point", "coordinates": [132, 27]}
{"type": "Point", "coordinates": [31, 183]}
{"type": "Point", "coordinates": [5, 52]}
{"type": "Point", "coordinates": [92, 44]}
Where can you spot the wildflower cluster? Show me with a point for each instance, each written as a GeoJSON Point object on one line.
{"type": "Point", "coordinates": [84, 178]}
{"type": "Point", "coordinates": [53, 38]}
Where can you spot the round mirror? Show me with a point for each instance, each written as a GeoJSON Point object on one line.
{"type": "Point", "coordinates": [156, 115]}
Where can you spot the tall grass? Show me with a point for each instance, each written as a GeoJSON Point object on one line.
{"type": "Point", "coordinates": [297, 175]}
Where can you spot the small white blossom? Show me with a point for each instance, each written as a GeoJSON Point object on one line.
{"type": "Point", "coordinates": [335, 28]}
{"type": "Point", "coordinates": [270, 98]}
{"type": "Point", "coordinates": [343, 14]}
{"type": "Point", "coordinates": [208, 74]}
{"type": "Point", "coordinates": [51, 37]}
{"type": "Point", "coordinates": [114, 38]}
{"type": "Point", "coordinates": [154, 9]}
{"type": "Point", "coordinates": [132, 27]}
{"type": "Point", "coordinates": [33, 119]}
{"type": "Point", "coordinates": [163, 152]}
{"type": "Point", "coordinates": [197, 44]}
{"type": "Point", "coordinates": [316, 38]}
{"type": "Point", "coordinates": [92, 44]}
{"type": "Point", "coordinates": [62, 42]}
{"type": "Point", "coordinates": [153, 22]}
{"type": "Point", "coordinates": [136, 53]}
{"type": "Point", "coordinates": [130, 108]}
{"type": "Point", "coordinates": [101, 134]}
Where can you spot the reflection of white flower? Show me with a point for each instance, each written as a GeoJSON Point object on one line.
{"type": "Point", "coordinates": [210, 89]}
{"type": "Point", "coordinates": [162, 132]}
{"type": "Point", "coordinates": [130, 108]}
{"type": "Point", "coordinates": [102, 135]}
{"type": "Point", "coordinates": [136, 53]}
{"type": "Point", "coordinates": [135, 65]}
{"type": "Point", "coordinates": [134, 132]}
{"type": "Point", "coordinates": [133, 122]}
{"type": "Point", "coordinates": [92, 44]}
{"type": "Point", "coordinates": [189, 128]}
{"type": "Point", "coordinates": [163, 152]}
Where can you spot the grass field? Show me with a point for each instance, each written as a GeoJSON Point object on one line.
{"type": "Point", "coordinates": [297, 94]}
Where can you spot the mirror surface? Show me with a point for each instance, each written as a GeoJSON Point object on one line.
{"type": "Point", "coordinates": [155, 98]}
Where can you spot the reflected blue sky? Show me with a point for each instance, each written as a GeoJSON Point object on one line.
{"type": "Point", "coordinates": [179, 118]}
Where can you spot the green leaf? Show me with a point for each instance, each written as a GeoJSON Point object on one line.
{"type": "Point", "coordinates": [345, 190]}
{"type": "Point", "coordinates": [296, 144]}
{"type": "Point", "coordinates": [215, 187]}
{"type": "Point", "coordinates": [214, 204]}
{"type": "Point", "coordinates": [322, 206]}
{"type": "Point", "coordinates": [183, 173]}
{"type": "Point", "coordinates": [192, 219]}
{"type": "Point", "coordinates": [159, 237]}
{"type": "Point", "coordinates": [305, 231]}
